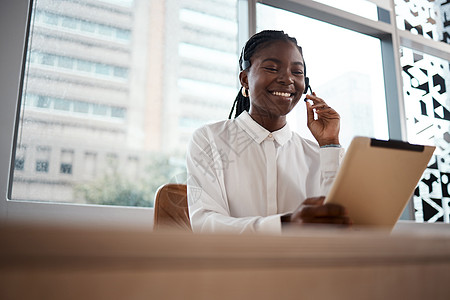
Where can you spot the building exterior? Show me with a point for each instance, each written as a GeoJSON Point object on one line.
{"type": "Point", "coordinates": [110, 83]}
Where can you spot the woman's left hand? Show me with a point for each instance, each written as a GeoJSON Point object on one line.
{"type": "Point", "coordinates": [314, 211]}
{"type": "Point", "coordinates": [324, 128]}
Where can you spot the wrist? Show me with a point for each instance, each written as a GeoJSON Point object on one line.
{"type": "Point", "coordinates": [329, 142]}
{"type": "Point", "coordinates": [331, 146]}
{"type": "Point", "coordinates": [285, 219]}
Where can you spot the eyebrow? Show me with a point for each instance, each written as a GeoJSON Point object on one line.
{"type": "Point", "coordinates": [276, 60]}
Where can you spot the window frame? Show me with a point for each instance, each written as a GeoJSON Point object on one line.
{"type": "Point", "coordinates": [14, 27]}
{"type": "Point", "coordinates": [14, 21]}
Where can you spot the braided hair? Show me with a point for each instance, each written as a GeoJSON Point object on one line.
{"type": "Point", "coordinates": [253, 44]}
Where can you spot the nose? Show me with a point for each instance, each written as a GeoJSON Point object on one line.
{"type": "Point", "coordinates": [285, 77]}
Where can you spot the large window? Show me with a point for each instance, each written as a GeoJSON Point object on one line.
{"type": "Point", "coordinates": [107, 107]}
{"type": "Point", "coordinates": [112, 90]}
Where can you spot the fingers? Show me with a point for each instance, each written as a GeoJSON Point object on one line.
{"type": "Point", "coordinates": [314, 201]}
{"type": "Point", "coordinates": [313, 211]}
{"type": "Point", "coordinates": [318, 106]}
{"type": "Point", "coordinates": [317, 102]}
{"type": "Point", "coordinates": [326, 210]}
{"type": "Point", "coordinates": [345, 220]}
{"type": "Point", "coordinates": [309, 113]}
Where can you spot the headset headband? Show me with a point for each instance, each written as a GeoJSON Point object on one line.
{"type": "Point", "coordinates": [245, 64]}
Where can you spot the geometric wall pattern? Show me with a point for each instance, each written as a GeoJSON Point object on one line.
{"type": "Point", "coordinates": [426, 83]}
{"type": "Point", "coordinates": [428, 18]}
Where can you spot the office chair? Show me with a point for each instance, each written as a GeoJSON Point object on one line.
{"type": "Point", "coordinates": [170, 208]}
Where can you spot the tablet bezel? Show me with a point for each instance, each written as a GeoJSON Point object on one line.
{"type": "Point", "coordinates": [377, 179]}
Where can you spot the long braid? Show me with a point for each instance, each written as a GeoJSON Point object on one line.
{"type": "Point", "coordinates": [243, 103]}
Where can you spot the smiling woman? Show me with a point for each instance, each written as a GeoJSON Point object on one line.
{"type": "Point", "coordinates": [287, 173]}
{"type": "Point", "coordinates": [277, 82]}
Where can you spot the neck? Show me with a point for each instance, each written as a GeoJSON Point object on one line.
{"type": "Point", "coordinates": [269, 122]}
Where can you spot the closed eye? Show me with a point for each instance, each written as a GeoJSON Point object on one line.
{"type": "Point", "coordinates": [270, 69]}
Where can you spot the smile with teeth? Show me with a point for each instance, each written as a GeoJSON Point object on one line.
{"type": "Point", "coordinates": [282, 94]}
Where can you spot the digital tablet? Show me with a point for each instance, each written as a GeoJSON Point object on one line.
{"type": "Point", "coordinates": [377, 178]}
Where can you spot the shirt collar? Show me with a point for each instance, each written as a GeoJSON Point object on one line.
{"type": "Point", "coordinates": [259, 133]}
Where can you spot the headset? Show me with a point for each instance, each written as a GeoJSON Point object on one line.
{"type": "Point", "coordinates": [307, 85]}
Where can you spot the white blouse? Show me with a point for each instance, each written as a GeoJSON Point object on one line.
{"type": "Point", "coordinates": [241, 177]}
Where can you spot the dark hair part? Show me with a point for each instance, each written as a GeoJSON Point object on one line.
{"type": "Point", "coordinates": [253, 44]}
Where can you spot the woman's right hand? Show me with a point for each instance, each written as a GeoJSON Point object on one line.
{"type": "Point", "coordinates": [324, 128]}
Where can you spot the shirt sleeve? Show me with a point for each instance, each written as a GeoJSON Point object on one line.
{"type": "Point", "coordinates": [330, 160]}
{"type": "Point", "coordinates": [207, 200]}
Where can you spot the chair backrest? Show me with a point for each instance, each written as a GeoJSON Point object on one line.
{"type": "Point", "coordinates": [171, 209]}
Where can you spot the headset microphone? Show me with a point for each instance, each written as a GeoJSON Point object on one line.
{"type": "Point", "coordinates": [306, 86]}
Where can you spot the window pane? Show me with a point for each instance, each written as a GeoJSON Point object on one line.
{"type": "Point", "coordinates": [105, 30]}
{"type": "Point", "coordinates": [65, 62]}
{"type": "Point", "coordinates": [429, 19]}
{"type": "Point", "coordinates": [102, 69]}
{"type": "Point", "coordinates": [81, 107]}
{"type": "Point", "coordinates": [100, 110]}
{"type": "Point", "coordinates": [361, 8]}
{"type": "Point", "coordinates": [48, 59]}
{"type": "Point", "coordinates": [69, 23]}
{"type": "Point", "coordinates": [84, 66]}
{"type": "Point", "coordinates": [426, 81]}
{"type": "Point", "coordinates": [344, 68]}
{"type": "Point", "coordinates": [61, 104]}
{"type": "Point", "coordinates": [118, 112]}
{"type": "Point", "coordinates": [42, 159]}
{"type": "Point", "coordinates": [50, 19]}
{"type": "Point", "coordinates": [87, 26]}
{"type": "Point", "coordinates": [43, 102]}
{"type": "Point", "coordinates": [66, 161]}
{"type": "Point", "coordinates": [19, 162]}
{"type": "Point", "coordinates": [113, 95]}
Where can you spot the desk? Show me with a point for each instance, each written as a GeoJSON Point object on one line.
{"type": "Point", "coordinates": [78, 263]}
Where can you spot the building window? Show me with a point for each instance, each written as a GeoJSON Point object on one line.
{"type": "Point", "coordinates": [78, 108]}
{"type": "Point", "coordinates": [43, 102]}
{"type": "Point", "coordinates": [42, 166]}
{"type": "Point", "coordinates": [19, 163]}
{"type": "Point", "coordinates": [66, 159]}
{"type": "Point", "coordinates": [42, 159]}
{"type": "Point", "coordinates": [61, 104]}
{"type": "Point", "coordinates": [80, 26]}
{"type": "Point", "coordinates": [90, 165]}
{"type": "Point", "coordinates": [19, 160]}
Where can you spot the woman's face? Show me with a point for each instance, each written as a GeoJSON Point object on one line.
{"type": "Point", "coordinates": [275, 80]}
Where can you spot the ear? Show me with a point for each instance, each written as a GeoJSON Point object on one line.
{"type": "Point", "coordinates": [243, 78]}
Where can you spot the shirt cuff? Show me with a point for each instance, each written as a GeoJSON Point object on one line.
{"type": "Point", "coordinates": [270, 225]}
{"type": "Point", "coordinates": [330, 158]}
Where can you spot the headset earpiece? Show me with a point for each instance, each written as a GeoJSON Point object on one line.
{"type": "Point", "coordinates": [306, 85]}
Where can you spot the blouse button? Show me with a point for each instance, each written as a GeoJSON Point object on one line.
{"type": "Point", "coordinates": [270, 135]}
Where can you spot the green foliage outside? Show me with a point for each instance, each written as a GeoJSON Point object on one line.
{"type": "Point", "coordinates": [115, 188]}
